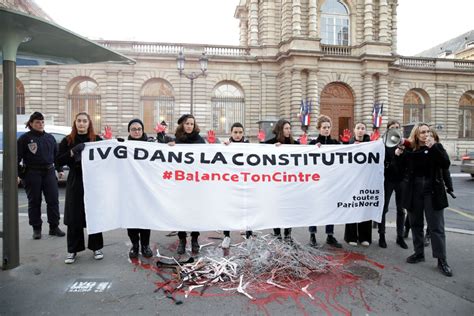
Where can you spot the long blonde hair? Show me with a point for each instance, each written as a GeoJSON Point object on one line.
{"type": "Point", "coordinates": [414, 138]}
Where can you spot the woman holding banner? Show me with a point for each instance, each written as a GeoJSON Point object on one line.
{"type": "Point", "coordinates": [359, 232]}
{"type": "Point", "coordinates": [69, 153]}
{"type": "Point", "coordinates": [187, 132]}
{"type": "Point", "coordinates": [138, 236]}
{"type": "Point", "coordinates": [324, 125]}
{"type": "Point", "coordinates": [282, 132]}
{"type": "Point", "coordinates": [426, 194]}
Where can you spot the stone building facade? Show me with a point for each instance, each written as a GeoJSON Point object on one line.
{"type": "Point", "coordinates": [339, 55]}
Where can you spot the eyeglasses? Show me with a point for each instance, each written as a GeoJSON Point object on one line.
{"type": "Point", "coordinates": [136, 129]}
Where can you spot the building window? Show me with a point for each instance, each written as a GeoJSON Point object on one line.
{"type": "Point", "coordinates": [157, 104]}
{"type": "Point", "coordinates": [228, 107]}
{"type": "Point", "coordinates": [466, 115]}
{"type": "Point", "coordinates": [84, 96]}
{"type": "Point", "coordinates": [334, 23]}
{"type": "Point", "coordinates": [416, 107]}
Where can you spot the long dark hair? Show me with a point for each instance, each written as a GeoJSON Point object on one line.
{"type": "Point", "coordinates": [278, 131]}
{"type": "Point", "coordinates": [90, 130]}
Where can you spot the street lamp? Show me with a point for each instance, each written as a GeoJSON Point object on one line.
{"type": "Point", "coordinates": [191, 76]}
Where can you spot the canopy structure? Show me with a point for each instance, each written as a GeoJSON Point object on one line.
{"type": "Point", "coordinates": [38, 42]}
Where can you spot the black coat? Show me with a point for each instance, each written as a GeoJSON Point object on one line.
{"type": "Point", "coordinates": [324, 140]}
{"type": "Point", "coordinates": [74, 213]}
{"type": "Point", "coordinates": [193, 138]}
{"type": "Point", "coordinates": [366, 138]}
{"type": "Point", "coordinates": [438, 160]}
{"type": "Point", "coordinates": [163, 138]}
{"type": "Point", "coordinates": [393, 171]}
{"type": "Point", "coordinates": [287, 141]}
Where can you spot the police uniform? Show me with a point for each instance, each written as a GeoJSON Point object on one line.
{"type": "Point", "coordinates": [37, 151]}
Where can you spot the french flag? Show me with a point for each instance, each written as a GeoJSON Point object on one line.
{"type": "Point", "coordinates": [305, 112]}
{"type": "Point", "coordinates": [377, 115]}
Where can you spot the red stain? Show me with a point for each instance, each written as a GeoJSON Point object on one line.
{"type": "Point", "coordinates": [326, 289]}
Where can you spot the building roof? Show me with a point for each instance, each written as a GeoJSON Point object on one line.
{"type": "Point", "coordinates": [452, 46]}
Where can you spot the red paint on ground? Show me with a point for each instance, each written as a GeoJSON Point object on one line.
{"type": "Point", "coordinates": [326, 289]}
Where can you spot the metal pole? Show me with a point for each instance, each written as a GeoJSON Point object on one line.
{"type": "Point", "coordinates": [192, 89]}
{"type": "Point", "coordinates": [11, 245]}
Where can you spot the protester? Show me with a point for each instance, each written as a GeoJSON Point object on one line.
{"type": "Point", "coordinates": [70, 150]}
{"type": "Point", "coordinates": [393, 176]}
{"type": "Point", "coordinates": [426, 194]}
{"type": "Point", "coordinates": [236, 136]}
{"type": "Point", "coordinates": [282, 132]}
{"type": "Point", "coordinates": [36, 153]}
{"type": "Point", "coordinates": [161, 136]}
{"type": "Point", "coordinates": [359, 232]}
{"type": "Point", "coordinates": [138, 236]}
{"type": "Point", "coordinates": [187, 132]}
{"type": "Point", "coordinates": [324, 125]}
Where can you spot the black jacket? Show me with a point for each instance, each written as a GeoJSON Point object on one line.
{"type": "Point", "coordinates": [163, 138]}
{"type": "Point", "coordinates": [324, 140]}
{"type": "Point", "coordinates": [287, 141]}
{"type": "Point", "coordinates": [366, 138]}
{"type": "Point", "coordinates": [193, 138]}
{"type": "Point", "coordinates": [36, 149]}
{"type": "Point", "coordinates": [74, 213]}
{"type": "Point", "coordinates": [437, 160]}
{"type": "Point", "coordinates": [393, 171]}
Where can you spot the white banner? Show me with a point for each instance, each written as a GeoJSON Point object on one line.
{"type": "Point", "coordinates": [200, 187]}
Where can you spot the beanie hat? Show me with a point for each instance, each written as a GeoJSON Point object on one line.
{"type": "Point", "coordinates": [34, 116]}
{"type": "Point", "coordinates": [135, 120]}
{"type": "Point", "coordinates": [184, 117]}
{"type": "Point", "coordinates": [163, 123]}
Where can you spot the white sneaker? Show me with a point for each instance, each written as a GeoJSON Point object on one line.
{"type": "Point", "coordinates": [98, 255]}
{"type": "Point", "coordinates": [71, 258]}
{"type": "Point", "coordinates": [226, 242]}
{"type": "Point", "coordinates": [365, 243]}
{"type": "Point", "coordinates": [353, 243]}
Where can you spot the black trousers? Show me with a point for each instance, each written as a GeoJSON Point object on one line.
{"type": "Point", "coordinates": [286, 231]}
{"type": "Point", "coordinates": [358, 232]}
{"type": "Point", "coordinates": [247, 233]}
{"type": "Point", "coordinates": [422, 204]}
{"type": "Point", "coordinates": [329, 229]}
{"type": "Point", "coordinates": [75, 240]}
{"type": "Point", "coordinates": [138, 235]}
{"type": "Point", "coordinates": [389, 188]}
{"type": "Point", "coordinates": [37, 182]}
{"type": "Point", "coordinates": [182, 235]}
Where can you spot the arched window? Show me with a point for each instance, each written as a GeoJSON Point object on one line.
{"type": "Point", "coordinates": [466, 115]}
{"type": "Point", "coordinates": [228, 107]}
{"type": "Point", "coordinates": [20, 96]}
{"type": "Point", "coordinates": [334, 23]}
{"type": "Point", "coordinates": [416, 107]}
{"type": "Point", "coordinates": [157, 104]}
{"type": "Point", "coordinates": [84, 96]}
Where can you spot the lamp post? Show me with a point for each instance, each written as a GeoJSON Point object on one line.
{"type": "Point", "coordinates": [191, 76]}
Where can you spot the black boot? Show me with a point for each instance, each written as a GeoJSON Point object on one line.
{"type": "Point", "coordinates": [312, 240]}
{"type": "Point", "coordinates": [401, 242]}
{"type": "Point", "coordinates": [382, 242]}
{"type": "Point", "coordinates": [56, 231]}
{"type": "Point", "coordinates": [444, 267]}
{"type": "Point", "coordinates": [332, 241]}
{"type": "Point", "coordinates": [36, 232]}
{"type": "Point", "coordinates": [195, 245]}
{"type": "Point", "coordinates": [146, 251]}
{"type": "Point", "coordinates": [133, 253]}
{"type": "Point", "coordinates": [181, 246]}
{"type": "Point", "coordinates": [415, 258]}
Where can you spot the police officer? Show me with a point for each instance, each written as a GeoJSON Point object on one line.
{"type": "Point", "coordinates": [36, 153]}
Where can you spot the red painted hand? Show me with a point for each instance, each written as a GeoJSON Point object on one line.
{"type": "Point", "coordinates": [346, 136]}
{"type": "Point", "coordinates": [375, 135]}
{"type": "Point", "coordinates": [107, 132]}
{"type": "Point", "coordinates": [159, 128]}
{"type": "Point", "coordinates": [211, 136]}
{"type": "Point", "coordinates": [304, 139]}
{"type": "Point", "coordinates": [261, 135]}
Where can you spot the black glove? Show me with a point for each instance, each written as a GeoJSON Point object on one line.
{"type": "Point", "coordinates": [77, 150]}
{"type": "Point", "coordinates": [450, 192]}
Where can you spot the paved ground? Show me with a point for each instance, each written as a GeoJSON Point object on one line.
{"type": "Point", "coordinates": [382, 283]}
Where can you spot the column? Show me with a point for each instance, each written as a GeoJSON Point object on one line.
{"type": "Point", "coordinates": [253, 23]}
{"type": "Point", "coordinates": [313, 18]}
{"type": "Point", "coordinates": [368, 21]}
{"type": "Point", "coordinates": [243, 31]}
{"type": "Point", "coordinates": [367, 98]}
{"type": "Point", "coordinates": [313, 96]}
{"type": "Point", "coordinates": [383, 21]}
{"type": "Point", "coordinates": [296, 96]}
{"type": "Point", "coordinates": [286, 20]}
{"type": "Point", "coordinates": [394, 27]}
{"type": "Point", "coordinates": [296, 22]}
{"type": "Point", "coordinates": [383, 96]}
